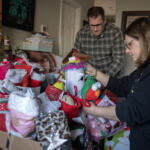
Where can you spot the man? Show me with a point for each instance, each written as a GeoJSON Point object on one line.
{"type": "Point", "coordinates": [102, 41]}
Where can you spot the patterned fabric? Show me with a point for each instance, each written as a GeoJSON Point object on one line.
{"type": "Point", "coordinates": [52, 127]}
{"type": "Point", "coordinates": [106, 51]}
{"type": "Point", "coordinates": [119, 141]}
{"type": "Point", "coordinates": [3, 112]}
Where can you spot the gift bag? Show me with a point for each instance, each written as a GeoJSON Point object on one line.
{"type": "Point", "coordinates": [119, 141]}
{"type": "Point", "coordinates": [23, 108]}
{"type": "Point", "coordinates": [99, 127]}
{"type": "Point", "coordinates": [52, 92]}
{"type": "Point", "coordinates": [52, 130]}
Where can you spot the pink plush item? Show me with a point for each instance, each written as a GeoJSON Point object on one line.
{"type": "Point", "coordinates": [21, 123]}
{"type": "Point", "coordinates": [3, 70]}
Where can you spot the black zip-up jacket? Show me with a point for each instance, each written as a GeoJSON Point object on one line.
{"type": "Point", "coordinates": [135, 110]}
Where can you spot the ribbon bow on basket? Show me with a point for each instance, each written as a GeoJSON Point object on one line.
{"type": "Point", "coordinates": [80, 100]}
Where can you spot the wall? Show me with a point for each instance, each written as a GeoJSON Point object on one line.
{"type": "Point", "coordinates": [46, 13]}
{"type": "Point", "coordinates": [108, 5]}
{"type": "Point", "coordinates": [129, 5]}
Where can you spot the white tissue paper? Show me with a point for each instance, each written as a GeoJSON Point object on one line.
{"type": "Point", "coordinates": [15, 75]}
{"type": "Point", "coordinates": [24, 102]}
{"type": "Point", "coordinates": [46, 105]}
{"type": "Point", "coordinates": [6, 86]}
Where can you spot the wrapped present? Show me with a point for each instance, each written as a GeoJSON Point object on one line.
{"type": "Point", "coordinates": [119, 141]}
{"type": "Point", "coordinates": [3, 69]}
{"type": "Point", "coordinates": [23, 109]}
{"type": "Point", "coordinates": [38, 42]}
{"type": "Point", "coordinates": [52, 129]}
{"type": "Point", "coordinates": [4, 114]}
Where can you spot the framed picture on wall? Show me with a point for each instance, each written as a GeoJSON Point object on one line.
{"type": "Point", "coordinates": [18, 14]}
{"type": "Point", "coordinates": [130, 16]}
{"type": "Point", "coordinates": [110, 19]}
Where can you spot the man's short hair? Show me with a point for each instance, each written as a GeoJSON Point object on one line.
{"type": "Point", "coordinates": [96, 11]}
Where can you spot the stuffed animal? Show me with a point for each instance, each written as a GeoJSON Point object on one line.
{"type": "Point", "coordinates": [91, 89]}
{"type": "Point", "coordinates": [74, 75]}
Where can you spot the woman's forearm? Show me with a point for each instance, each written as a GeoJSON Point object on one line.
{"type": "Point", "coordinates": [108, 112]}
{"type": "Point", "coordinates": [105, 112]}
{"type": "Point", "coordinates": [103, 78]}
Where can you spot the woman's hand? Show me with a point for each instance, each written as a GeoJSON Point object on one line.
{"type": "Point", "coordinates": [91, 109]}
{"type": "Point", "coordinates": [90, 70]}
{"type": "Point", "coordinates": [99, 76]}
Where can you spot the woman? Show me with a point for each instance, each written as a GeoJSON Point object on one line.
{"type": "Point", "coordinates": [135, 110]}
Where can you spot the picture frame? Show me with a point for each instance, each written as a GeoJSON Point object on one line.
{"type": "Point", "coordinates": [18, 14]}
{"type": "Point", "coordinates": [130, 16]}
{"type": "Point", "coordinates": [111, 19]}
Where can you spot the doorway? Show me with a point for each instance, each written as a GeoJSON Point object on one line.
{"type": "Point", "coordinates": [70, 22]}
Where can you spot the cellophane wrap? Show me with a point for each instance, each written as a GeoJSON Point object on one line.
{"type": "Point", "coordinates": [51, 128]}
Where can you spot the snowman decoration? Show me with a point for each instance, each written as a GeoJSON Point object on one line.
{"type": "Point", "coordinates": [74, 75]}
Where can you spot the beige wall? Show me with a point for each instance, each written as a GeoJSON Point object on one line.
{"type": "Point", "coordinates": [129, 5]}
{"type": "Point", "coordinates": [46, 13]}
{"type": "Point", "coordinates": [108, 5]}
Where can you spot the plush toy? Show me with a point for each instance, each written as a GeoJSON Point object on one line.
{"type": "Point", "coordinates": [74, 75]}
{"type": "Point", "coordinates": [60, 82]}
{"type": "Point", "coordinates": [91, 89]}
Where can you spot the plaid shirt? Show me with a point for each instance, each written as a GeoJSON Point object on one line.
{"type": "Point", "coordinates": [107, 50]}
